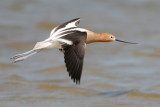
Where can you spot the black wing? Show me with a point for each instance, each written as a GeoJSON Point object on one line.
{"type": "Point", "coordinates": [74, 22]}
{"type": "Point", "coordinates": [74, 54]}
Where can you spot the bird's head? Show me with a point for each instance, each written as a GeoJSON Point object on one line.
{"type": "Point", "coordinates": [110, 38]}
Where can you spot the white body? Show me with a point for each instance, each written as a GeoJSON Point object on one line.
{"type": "Point", "coordinates": [53, 41]}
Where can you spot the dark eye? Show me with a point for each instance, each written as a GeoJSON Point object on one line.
{"type": "Point", "coordinates": [111, 36]}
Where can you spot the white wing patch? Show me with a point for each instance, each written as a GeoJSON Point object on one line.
{"type": "Point", "coordinates": [60, 34]}
{"type": "Point", "coordinates": [63, 30]}
{"type": "Point", "coordinates": [53, 30]}
{"type": "Point", "coordinates": [71, 24]}
{"type": "Point", "coordinates": [65, 41]}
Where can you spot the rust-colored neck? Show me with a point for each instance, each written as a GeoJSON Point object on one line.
{"type": "Point", "coordinates": [95, 37]}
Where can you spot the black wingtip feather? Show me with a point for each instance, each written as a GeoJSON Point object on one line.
{"type": "Point", "coordinates": [74, 66]}
{"type": "Point", "coordinates": [74, 19]}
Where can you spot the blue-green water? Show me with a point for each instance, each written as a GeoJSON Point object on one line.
{"type": "Point", "coordinates": [114, 74]}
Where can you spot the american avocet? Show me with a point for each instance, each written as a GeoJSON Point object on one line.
{"type": "Point", "coordinates": [71, 40]}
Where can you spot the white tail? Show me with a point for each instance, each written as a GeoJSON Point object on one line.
{"type": "Point", "coordinates": [39, 46]}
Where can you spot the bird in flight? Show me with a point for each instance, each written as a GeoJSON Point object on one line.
{"type": "Point", "coordinates": [71, 40]}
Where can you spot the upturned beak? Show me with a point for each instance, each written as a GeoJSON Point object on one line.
{"type": "Point", "coordinates": [124, 41]}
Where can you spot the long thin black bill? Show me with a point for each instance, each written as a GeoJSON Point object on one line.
{"type": "Point", "coordinates": [125, 41]}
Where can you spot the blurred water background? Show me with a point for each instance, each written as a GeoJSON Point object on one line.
{"type": "Point", "coordinates": [114, 75]}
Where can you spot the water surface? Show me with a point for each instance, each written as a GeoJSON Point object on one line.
{"type": "Point", "coordinates": [114, 74]}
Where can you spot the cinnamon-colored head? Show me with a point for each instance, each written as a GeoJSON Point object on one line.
{"type": "Point", "coordinates": [99, 37]}
{"type": "Point", "coordinates": [102, 37]}
{"type": "Point", "coordinates": [108, 37]}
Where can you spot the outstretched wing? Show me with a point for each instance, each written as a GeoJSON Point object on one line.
{"type": "Point", "coordinates": [74, 54]}
{"type": "Point", "coordinates": [65, 26]}
{"type": "Point", "coordinates": [69, 24]}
